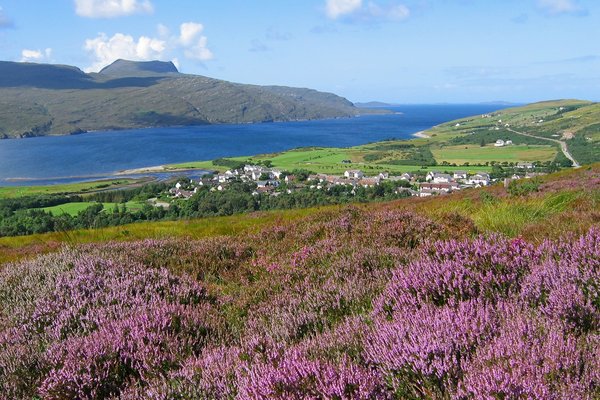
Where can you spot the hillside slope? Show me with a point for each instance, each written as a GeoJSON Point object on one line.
{"type": "Point", "coordinates": [39, 99]}
{"type": "Point", "coordinates": [573, 124]}
{"type": "Point", "coordinates": [398, 300]}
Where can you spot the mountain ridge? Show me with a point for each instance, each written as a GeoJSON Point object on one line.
{"type": "Point", "coordinates": [46, 99]}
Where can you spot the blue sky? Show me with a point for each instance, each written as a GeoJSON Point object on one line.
{"type": "Point", "coordinates": [405, 51]}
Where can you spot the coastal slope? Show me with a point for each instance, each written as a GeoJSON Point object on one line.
{"type": "Point", "coordinates": [43, 99]}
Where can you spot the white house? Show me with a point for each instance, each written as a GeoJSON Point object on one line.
{"type": "Point", "coordinates": [460, 175]}
{"type": "Point", "coordinates": [525, 165]}
{"type": "Point", "coordinates": [258, 173]}
{"type": "Point", "coordinates": [439, 187]}
{"type": "Point", "coordinates": [481, 179]}
{"type": "Point", "coordinates": [251, 168]}
{"type": "Point", "coordinates": [441, 178]}
{"type": "Point", "coordinates": [430, 175]}
{"type": "Point", "coordinates": [354, 174]}
{"type": "Point", "coordinates": [499, 143]}
{"type": "Point", "coordinates": [369, 182]}
{"type": "Point", "coordinates": [406, 177]}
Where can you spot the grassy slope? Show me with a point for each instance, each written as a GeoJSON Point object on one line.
{"type": "Point", "coordinates": [567, 202]}
{"type": "Point", "coordinates": [578, 118]}
{"type": "Point", "coordinates": [68, 188]}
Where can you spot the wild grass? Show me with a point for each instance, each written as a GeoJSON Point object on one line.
{"type": "Point", "coordinates": [511, 216]}
{"type": "Point", "coordinates": [15, 248]}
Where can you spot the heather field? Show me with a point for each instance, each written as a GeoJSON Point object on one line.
{"type": "Point", "coordinates": [433, 299]}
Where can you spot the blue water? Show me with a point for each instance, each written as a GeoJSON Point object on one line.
{"type": "Point", "coordinates": [61, 159]}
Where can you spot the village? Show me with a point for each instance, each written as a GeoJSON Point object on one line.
{"type": "Point", "coordinates": [274, 182]}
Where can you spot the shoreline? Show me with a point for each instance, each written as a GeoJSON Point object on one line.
{"type": "Point", "coordinates": [142, 170]}
{"type": "Point", "coordinates": [421, 135]}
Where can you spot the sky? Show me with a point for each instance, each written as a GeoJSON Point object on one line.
{"type": "Point", "coordinates": [399, 51]}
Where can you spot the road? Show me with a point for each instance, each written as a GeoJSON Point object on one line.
{"type": "Point", "coordinates": [563, 146]}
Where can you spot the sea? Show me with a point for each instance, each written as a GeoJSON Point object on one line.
{"type": "Point", "coordinates": [102, 155]}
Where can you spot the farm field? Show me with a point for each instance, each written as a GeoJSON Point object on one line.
{"type": "Point", "coordinates": [476, 154]}
{"type": "Point", "coordinates": [76, 207]}
{"type": "Point", "coordinates": [331, 160]}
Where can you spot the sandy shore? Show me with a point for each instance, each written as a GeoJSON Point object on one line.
{"type": "Point", "coordinates": [421, 135]}
{"type": "Point", "coordinates": [155, 169]}
{"type": "Point", "coordinates": [158, 168]}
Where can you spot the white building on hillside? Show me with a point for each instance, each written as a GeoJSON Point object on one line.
{"type": "Point", "coordinates": [354, 174]}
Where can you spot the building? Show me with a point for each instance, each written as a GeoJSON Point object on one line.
{"type": "Point", "coordinates": [499, 143]}
{"type": "Point", "coordinates": [438, 187]}
{"type": "Point", "coordinates": [441, 178]}
{"type": "Point", "coordinates": [354, 174]}
{"type": "Point", "coordinates": [369, 182]}
{"type": "Point", "coordinates": [460, 175]}
{"type": "Point", "coordinates": [480, 179]}
{"type": "Point", "coordinates": [406, 177]}
{"type": "Point", "coordinates": [525, 165]}
{"type": "Point", "coordinates": [290, 178]}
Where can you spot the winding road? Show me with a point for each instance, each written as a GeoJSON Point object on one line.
{"type": "Point", "coordinates": [563, 146]}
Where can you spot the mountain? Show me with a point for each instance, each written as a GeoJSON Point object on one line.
{"type": "Point", "coordinates": [136, 68]}
{"type": "Point", "coordinates": [43, 99]}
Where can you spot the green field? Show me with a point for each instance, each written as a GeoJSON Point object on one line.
{"type": "Point", "coordinates": [74, 208]}
{"type": "Point", "coordinates": [476, 154]}
{"type": "Point", "coordinates": [329, 160]}
{"type": "Point", "coordinates": [68, 188]}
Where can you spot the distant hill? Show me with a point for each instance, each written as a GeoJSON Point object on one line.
{"type": "Point", "coordinates": [42, 99]}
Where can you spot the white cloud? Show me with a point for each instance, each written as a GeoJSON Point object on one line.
{"type": "Point", "coordinates": [189, 31]}
{"type": "Point", "coordinates": [195, 44]}
{"type": "Point", "coordinates": [190, 41]}
{"type": "Point", "coordinates": [28, 55]}
{"type": "Point", "coordinates": [105, 50]}
{"type": "Point", "coordinates": [338, 8]}
{"type": "Point", "coordinates": [357, 11]}
{"type": "Point", "coordinates": [557, 7]}
{"type": "Point", "coordinates": [112, 8]}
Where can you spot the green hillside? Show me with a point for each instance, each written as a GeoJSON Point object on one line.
{"type": "Point", "coordinates": [575, 123]}
{"type": "Point", "coordinates": [39, 99]}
